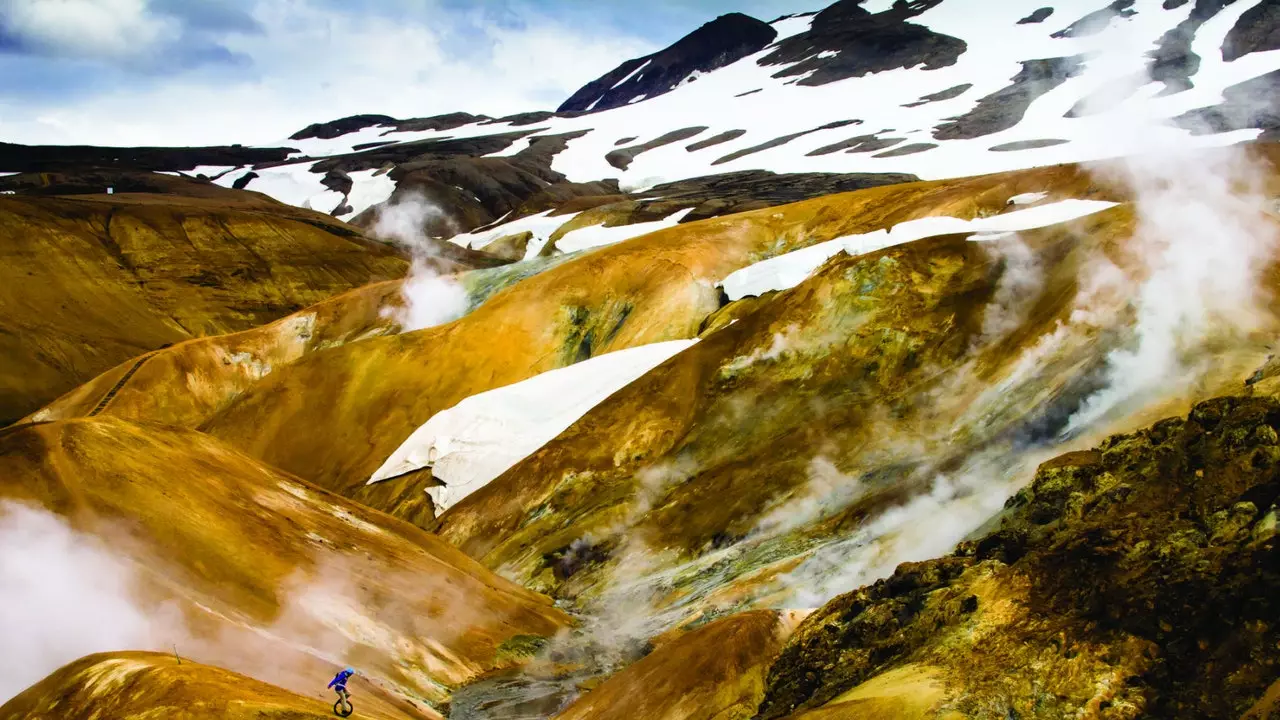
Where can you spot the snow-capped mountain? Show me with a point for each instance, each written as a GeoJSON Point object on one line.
{"type": "Point", "coordinates": [933, 88]}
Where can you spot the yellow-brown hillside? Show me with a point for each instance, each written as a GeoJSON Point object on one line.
{"type": "Point", "coordinates": [140, 686]}
{"type": "Point", "coordinates": [245, 546]}
{"type": "Point", "coordinates": [87, 282]}
{"type": "Point", "coordinates": [334, 417]}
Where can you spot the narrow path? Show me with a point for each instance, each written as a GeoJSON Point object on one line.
{"type": "Point", "coordinates": [106, 399]}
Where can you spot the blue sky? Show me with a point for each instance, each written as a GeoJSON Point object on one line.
{"type": "Point", "coordinates": [212, 71]}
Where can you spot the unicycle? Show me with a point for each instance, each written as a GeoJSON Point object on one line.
{"type": "Point", "coordinates": [343, 707]}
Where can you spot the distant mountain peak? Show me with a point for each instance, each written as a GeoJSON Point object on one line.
{"type": "Point", "coordinates": [718, 43]}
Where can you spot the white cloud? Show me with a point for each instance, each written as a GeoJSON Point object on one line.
{"type": "Point", "coordinates": [85, 28]}
{"type": "Point", "coordinates": [312, 64]}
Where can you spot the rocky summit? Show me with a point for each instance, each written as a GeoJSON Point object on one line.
{"type": "Point", "coordinates": [885, 360]}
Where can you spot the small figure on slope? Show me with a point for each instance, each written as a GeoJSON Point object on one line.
{"type": "Point", "coordinates": [343, 706]}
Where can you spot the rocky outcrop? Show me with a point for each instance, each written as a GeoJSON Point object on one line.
{"type": "Point", "coordinates": [1039, 16]}
{"type": "Point", "coordinates": [722, 41]}
{"type": "Point", "coordinates": [1172, 62]}
{"type": "Point", "coordinates": [622, 157]}
{"type": "Point", "coordinates": [717, 139]}
{"type": "Point", "coordinates": [948, 94]}
{"type": "Point", "coordinates": [1097, 21]}
{"type": "Point", "coordinates": [846, 40]}
{"type": "Point", "coordinates": [1257, 30]}
{"type": "Point", "coordinates": [783, 140]}
{"type": "Point", "coordinates": [340, 127]}
{"type": "Point", "coordinates": [1134, 580]}
{"type": "Point", "coordinates": [1005, 108]}
{"type": "Point", "coordinates": [1251, 104]}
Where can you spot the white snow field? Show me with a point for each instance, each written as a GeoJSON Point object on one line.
{"type": "Point", "coordinates": [996, 45]}
{"type": "Point", "coordinates": [594, 236]}
{"type": "Point", "coordinates": [790, 269]}
{"type": "Point", "coordinates": [483, 436]}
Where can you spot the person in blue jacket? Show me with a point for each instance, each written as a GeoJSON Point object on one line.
{"type": "Point", "coordinates": [339, 682]}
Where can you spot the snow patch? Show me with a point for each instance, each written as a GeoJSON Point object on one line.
{"type": "Point", "coordinates": [475, 441]}
{"type": "Point", "coordinates": [787, 271]}
{"type": "Point", "coordinates": [595, 236]}
{"type": "Point", "coordinates": [1028, 198]}
{"type": "Point", "coordinates": [368, 188]}
{"type": "Point", "coordinates": [541, 225]}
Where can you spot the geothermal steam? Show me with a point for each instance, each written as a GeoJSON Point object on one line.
{"type": "Point", "coordinates": [430, 298]}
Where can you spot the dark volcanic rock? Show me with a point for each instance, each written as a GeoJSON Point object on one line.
{"type": "Point", "coordinates": [1098, 20]}
{"type": "Point", "coordinates": [369, 145]}
{"type": "Point", "coordinates": [1027, 145]}
{"type": "Point", "coordinates": [948, 94]}
{"type": "Point", "coordinates": [858, 144]}
{"type": "Point", "coordinates": [421, 150]}
{"type": "Point", "coordinates": [522, 119]}
{"type": "Point", "coordinates": [447, 121]}
{"type": "Point", "coordinates": [723, 137]}
{"type": "Point", "coordinates": [472, 191]}
{"type": "Point", "coordinates": [37, 158]}
{"type": "Point", "coordinates": [1038, 16]}
{"type": "Point", "coordinates": [1253, 103]}
{"type": "Point", "coordinates": [781, 141]}
{"type": "Point", "coordinates": [95, 181]}
{"type": "Point", "coordinates": [1257, 30]}
{"type": "Point", "coordinates": [622, 157]}
{"type": "Point", "coordinates": [1151, 560]}
{"type": "Point", "coordinates": [1004, 108]}
{"type": "Point", "coordinates": [720, 42]}
{"type": "Point", "coordinates": [243, 181]}
{"type": "Point", "coordinates": [911, 149]}
{"type": "Point", "coordinates": [337, 181]}
{"type": "Point", "coordinates": [863, 43]}
{"type": "Point", "coordinates": [734, 192]}
{"type": "Point", "coordinates": [1172, 62]}
{"type": "Point", "coordinates": [749, 92]}
{"type": "Point", "coordinates": [342, 126]}
{"type": "Point", "coordinates": [624, 141]}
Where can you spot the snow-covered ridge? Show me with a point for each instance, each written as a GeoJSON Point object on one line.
{"type": "Point", "coordinates": [789, 270]}
{"type": "Point", "coordinates": [744, 96]}
{"type": "Point", "coordinates": [485, 435]}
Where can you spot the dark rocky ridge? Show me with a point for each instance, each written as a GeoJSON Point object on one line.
{"type": "Point", "coordinates": [1039, 16]}
{"type": "Point", "coordinates": [864, 43]}
{"type": "Point", "coordinates": [621, 158]}
{"type": "Point", "coordinates": [948, 94]}
{"type": "Point", "coordinates": [1253, 103]}
{"type": "Point", "coordinates": [341, 126]}
{"type": "Point", "coordinates": [910, 149]}
{"type": "Point", "coordinates": [1257, 30]}
{"type": "Point", "coordinates": [735, 192]}
{"type": "Point", "coordinates": [41, 158]}
{"type": "Point", "coordinates": [1152, 560]}
{"type": "Point", "coordinates": [472, 191]}
{"type": "Point", "coordinates": [858, 144]}
{"type": "Point", "coordinates": [1098, 20]}
{"type": "Point", "coordinates": [1172, 62]}
{"type": "Point", "coordinates": [723, 137]}
{"type": "Point", "coordinates": [722, 41]}
{"type": "Point", "coordinates": [1004, 108]}
{"type": "Point", "coordinates": [776, 142]}
{"type": "Point", "coordinates": [1028, 145]}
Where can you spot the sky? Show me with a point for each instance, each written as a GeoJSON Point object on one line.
{"type": "Point", "coordinates": [193, 72]}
